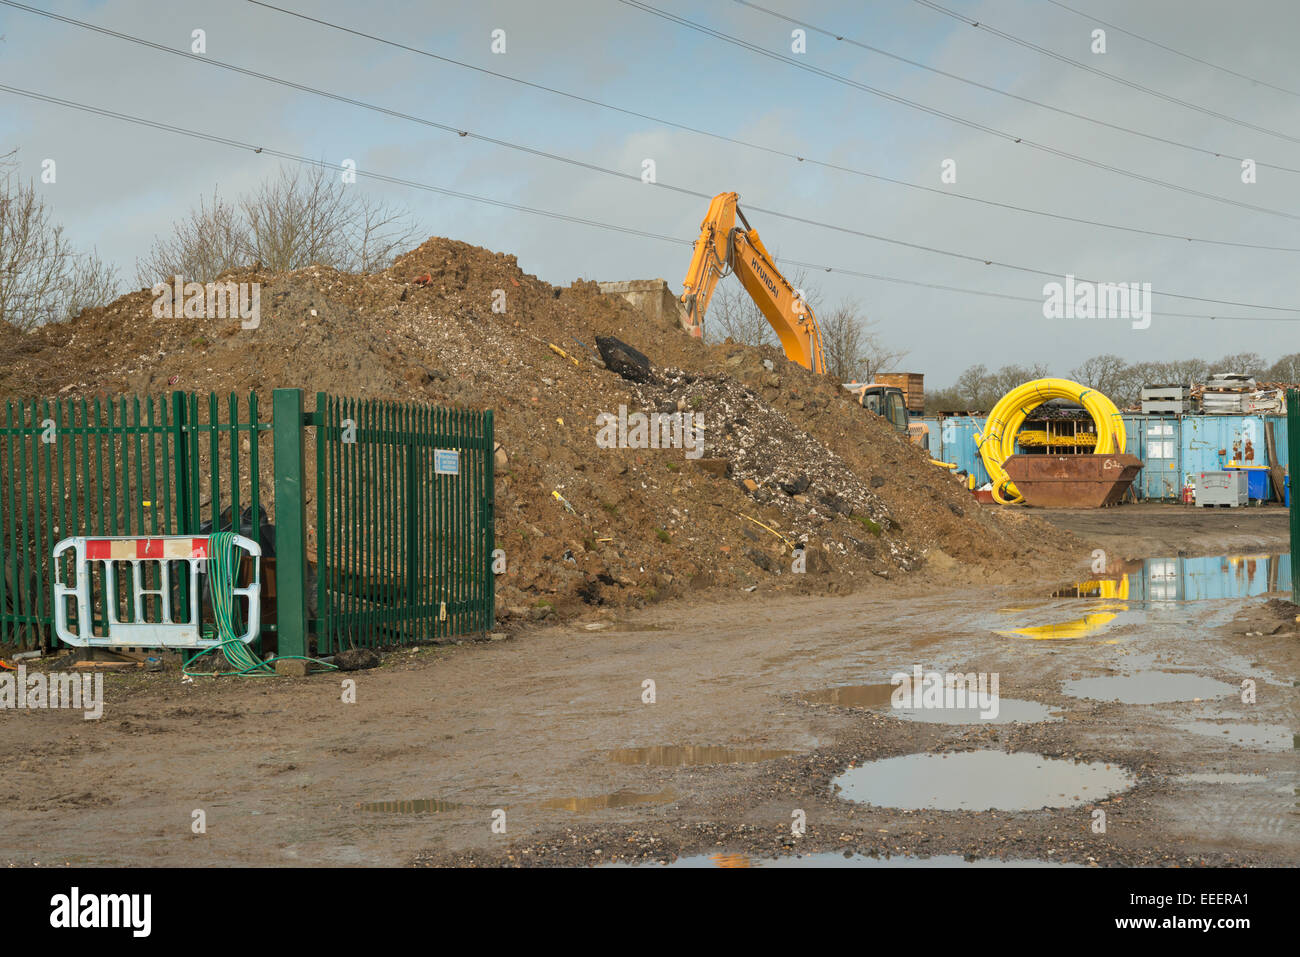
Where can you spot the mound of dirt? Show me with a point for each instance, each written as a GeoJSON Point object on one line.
{"type": "Point", "coordinates": [791, 472]}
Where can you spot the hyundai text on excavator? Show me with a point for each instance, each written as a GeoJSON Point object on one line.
{"type": "Point", "coordinates": [724, 247]}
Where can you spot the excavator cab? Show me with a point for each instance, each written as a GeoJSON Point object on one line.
{"type": "Point", "coordinates": [884, 400]}
{"type": "Point", "coordinates": [887, 401]}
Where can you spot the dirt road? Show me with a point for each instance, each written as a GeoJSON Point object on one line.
{"type": "Point", "coordinates": [552, 728]}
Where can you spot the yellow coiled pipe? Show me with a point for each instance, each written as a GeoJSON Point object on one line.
{"type": "Point", "coordinates": [997, 442]}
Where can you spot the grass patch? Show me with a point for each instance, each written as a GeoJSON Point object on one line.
{"type": "Point", "coordinates": [868, 524]}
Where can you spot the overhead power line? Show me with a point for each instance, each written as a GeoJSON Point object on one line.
{"type": "Point", "coordinates": [960, 120]}
{"type": "Point", "coordinates": [1113, 77]}
{"type": "Point", "coordinates": [532, 210]}
{"type": "Point", "coordinates": [1185, 55]}
{"type": "Point", "coordinates": [1217, 154]}
{"type": "Point", "coordinates": [774, 151]}
{"type": "Point", "coordinates": [698, 194]}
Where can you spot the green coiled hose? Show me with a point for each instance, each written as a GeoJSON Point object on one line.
{"type": "Point", "coordinates": [222, 561]}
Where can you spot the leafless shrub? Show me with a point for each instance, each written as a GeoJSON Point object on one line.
{"type": "Point", "coordinates": [306, 216]}
{"type": "Point", "coordinates": [733, 315]}
{"type": "Point", "coordinates": [43, 278]}
{"type": "Point", "coordinates": [302, 216]}
{"type": "Point", "coordinates": [211, 240]}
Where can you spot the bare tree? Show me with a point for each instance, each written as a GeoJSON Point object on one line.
{"type": "Point", "coordinates": [300, 217]}
{"type": "Point", "coordinates": [1182, 371]}
{"type": "Point", "coordinates": [1107, 374]}
{"type": "Point", "coordinates": [1010, 377]}
{"type": "Point", "coordinates": [973, 386]}
{"type": "Point", "coordinates": [843, 342]}
{"type": "Point", "coordinates": [852, 350]}
{"type": "Point", "coordinates": [734, 315]}
{"type": "Point", "coordinates": [43, 278]}
{"type": "Point", "coordinates": [1286, 369]}
{"type": "Point", "coordinates": [305, 216]}
{"type": "Point", "coordinates": [211, 240]}
{"type": "Point", "coordinates": [1247, 363]}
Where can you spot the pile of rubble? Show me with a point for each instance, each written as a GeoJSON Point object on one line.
{"type": "Point", "coordinates": [794, 486]}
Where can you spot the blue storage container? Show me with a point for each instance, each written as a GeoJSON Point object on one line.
{"type": "Point", "coordinates": [1256, 482]}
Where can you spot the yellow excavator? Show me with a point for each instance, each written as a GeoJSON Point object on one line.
{"type": "Point", "coordinates": [724, 247]}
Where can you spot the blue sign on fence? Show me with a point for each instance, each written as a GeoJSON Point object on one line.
{"type": "Point", "coordinates": [446, 462]}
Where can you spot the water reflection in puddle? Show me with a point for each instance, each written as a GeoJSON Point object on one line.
{"type": "Point", "coordinates": [1147, 687]}
{"type": "Point", "coordinates": [683, 755]}
{"type": "Point", "coordinates": [601, 802]}
{"type": "Point", "coordinates": [1128, 590]}
{"type": "Point", "coordinates": [853, 696]}
{"type": "Point", "coordinates": [980, 781]}
{"type": "Point", "coordinates": [1081, 627]}
{"type": "Point", "coordinates": [1188, 579]}
{"type": "Point", "coordinates": [421, 806]}
{"type": "Point", "coordinates": [880, 696]}
{"type": "Point", "coordinates": [833, 859]}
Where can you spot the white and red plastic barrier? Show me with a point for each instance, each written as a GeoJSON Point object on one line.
{"type": "Point", "coordinates": [140, 632]}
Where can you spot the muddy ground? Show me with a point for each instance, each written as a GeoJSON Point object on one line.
{"type": "Point", "coordinates": [533, 725]}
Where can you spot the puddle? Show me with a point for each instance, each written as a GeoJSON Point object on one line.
{"type": "Point", "coordinates": [1148, 687]}
{"type": "Point", "coordinates": [1265, 737]}
{"type": "Point", "coordinates": [602, 802]}
{"type": "Point", "coordinates": [853, 696]}
{"type": "Point", "coordinates": [1190, 579]}
{"type": "Point", "coordinates": [880, 696]}
{"type": "Point", "coordinates": [834, 859]}
{"type": "Point", "coordinates": [1223, 778]}
{"type": "Point", "coordinates": [980, 781]}
{"type": "Point", "coordinates": [683, 755]}
{"type": "Point", "coordinates": [1009, 710]}
{"type": "Point", "coordinates": [421, 806]}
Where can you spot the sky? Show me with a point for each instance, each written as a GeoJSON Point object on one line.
{"type": "Point", "coordinates": [120, 185]}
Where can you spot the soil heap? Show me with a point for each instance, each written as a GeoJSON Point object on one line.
{"type": "Point", "coordinates": [788, 462]}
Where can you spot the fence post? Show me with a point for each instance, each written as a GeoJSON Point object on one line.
{"type": "Point", "coordinates": [489, 517]}
{"type": "Point", "coordinates": [1292, 458]}
{"type": "Point", "coordinates": [290, 522]}
{"type": "Point", "coordinates": [181, 466]}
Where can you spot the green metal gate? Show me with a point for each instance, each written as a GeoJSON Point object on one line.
{"type": "Point", "coordinates": [403, 545]}
{"type": "Point", "coordinates": [1293, 457]}
{"type": "Point", "coordinates": [125, 466]}
{"type": "Point", "coordinates": [402, 553]}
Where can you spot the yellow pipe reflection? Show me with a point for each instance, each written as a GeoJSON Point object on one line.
{"type": "Point", "coordinates": [1115, 589]}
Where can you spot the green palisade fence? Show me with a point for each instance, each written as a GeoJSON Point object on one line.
{"type": "Point", "coordinates": [124, 466]}
{"type": "Point", "coordinates": [403, 554]}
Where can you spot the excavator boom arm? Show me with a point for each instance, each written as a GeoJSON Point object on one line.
{"type": "Point", "coordinates": [723, 246]}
